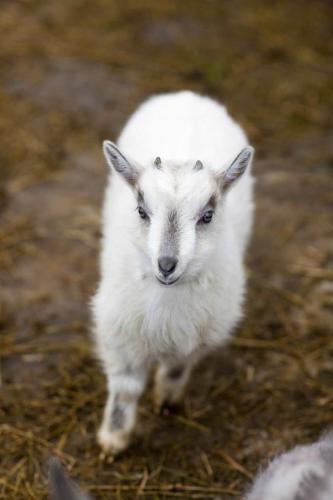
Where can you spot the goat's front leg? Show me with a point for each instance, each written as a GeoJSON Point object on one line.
{"type": "Point", "coordinates": [171, 379]}
{"type": "Point", "coordinates": [125, 386]}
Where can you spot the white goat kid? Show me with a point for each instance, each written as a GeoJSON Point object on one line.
{"type": "Point", "coordinates": [176, 221]}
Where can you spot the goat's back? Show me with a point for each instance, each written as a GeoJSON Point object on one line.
{"type": "Point", "coordinates": [182, 126]}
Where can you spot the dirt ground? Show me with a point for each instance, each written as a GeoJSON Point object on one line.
{"type": "Point", "coordinates": [71, 72]}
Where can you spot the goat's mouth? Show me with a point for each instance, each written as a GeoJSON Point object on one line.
{"type": "Point", "coordinates": [167, 282]}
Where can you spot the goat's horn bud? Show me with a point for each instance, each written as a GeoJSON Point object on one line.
{"type": "Point", "coordinates": [198, 165]}
{"type": "Point", "coordinates": [158, 162]}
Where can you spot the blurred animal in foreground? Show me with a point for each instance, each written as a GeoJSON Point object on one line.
{"type": "Point", "coordinates": [304, 473]}
{"type": "Point", "coordinates": [176, 222]}
{"type": "Point", "coordinates": [61, 486]}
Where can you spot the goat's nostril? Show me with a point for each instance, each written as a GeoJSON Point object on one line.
{"type": "Point", "coordinates": [167, 265]}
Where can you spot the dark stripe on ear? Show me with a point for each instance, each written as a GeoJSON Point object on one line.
{"type": "Point", "coordinates": [238, 167]}
{"type": "Point", "coordinates": [117, 160]}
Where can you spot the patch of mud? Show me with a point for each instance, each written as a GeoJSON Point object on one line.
{"type": "Point", "coordinates": [54, 234]}
{"type": "Point", "coordinates": [88, 91]}
{"type": "Point", "coordinates": [172, 31]}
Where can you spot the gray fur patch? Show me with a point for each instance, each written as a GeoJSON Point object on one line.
{"type": "Point", "coordinates": [312, 487]}
{"type": "Point", "coordinates": [141, 201]}
{"type": "Point", "coordinates": [117, 417]}
{"type": "Point", "coordinates": [212, 202]}
{"type": "Point", "coordinates": [140, 197]}
{"type": "Point", "coordinates": [198, 165]}
{"type": "Point", "coordinates": [158, 162]}
{"type": "Point", "coordinates": [327, 454]}
{"type": "Point", "coordinates": [210, 205]}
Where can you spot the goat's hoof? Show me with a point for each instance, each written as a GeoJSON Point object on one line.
{"type": "Point", "coordinates": [112, 443]}
{"type": "Point", "coordinates": [168, 408]}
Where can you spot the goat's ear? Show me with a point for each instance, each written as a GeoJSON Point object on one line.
{"type": "Point", "coordinates": [118, 161]}
{"type": "Point", "coordinates": [237, 168]}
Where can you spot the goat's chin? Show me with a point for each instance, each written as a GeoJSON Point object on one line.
{"type": "Point", "coordinates": [188, 275]}
{"type": "Point", "coordinates": [168, 283]}
{"type": "Point", "coordinates": [178, 280]}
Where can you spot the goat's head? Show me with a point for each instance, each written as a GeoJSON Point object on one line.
{"type": "Point", "coordinates": [179, 210]}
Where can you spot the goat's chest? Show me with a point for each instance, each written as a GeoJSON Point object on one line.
{"type": "Point", "coordinates": [182, 320]}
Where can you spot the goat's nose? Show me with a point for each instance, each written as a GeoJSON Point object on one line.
{"type": "Point", "coordinates": [167, 265]}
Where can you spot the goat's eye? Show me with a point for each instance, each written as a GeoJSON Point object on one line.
{"type": "Point", "coordinates": [206, 217]}
{"type": "Point", "coordinates": [143, 214]}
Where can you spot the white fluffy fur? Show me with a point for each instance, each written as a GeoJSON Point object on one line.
{"type": "Point", "coordinates": [304, 473]}
{"type": "Point", "coordinates": [138, 320]}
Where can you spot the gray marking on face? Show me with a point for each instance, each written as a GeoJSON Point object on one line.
{"type": "Point", "coordinates": [175, 373]}
{"type": "Point", "coordinates": [210, 205]}
{"type": "Point", "coordinates": [170, 239]}
{"type": "Point", "coordinates": [212, 202]}
{"type": "Point", "coordinates": [140, 197]}
{"type": "Point", "coordinates": [142, 203]}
